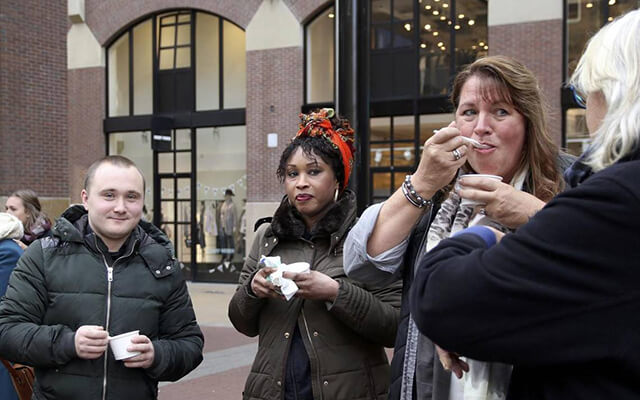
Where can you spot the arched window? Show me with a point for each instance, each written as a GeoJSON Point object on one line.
{"type": "Point", "coordinates": [320, 58]}
{"type": "Point", "coordinates": [176, 98]}
{"type": "Point", "coordinates": [199, 64]}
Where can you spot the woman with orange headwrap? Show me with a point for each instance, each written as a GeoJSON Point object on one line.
{"type": "Point", "coordinates": [327, 341]}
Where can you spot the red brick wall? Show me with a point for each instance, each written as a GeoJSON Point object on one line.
{"type": "Point", "coordinates": [33, 96]}
{"type": "Point", "coordinates": [274, 98]}
{"type": "Point", "coordinates": [539, 46]}
{"type": "Point", "coordinates": [86, 112]}
{"type": "Point", "coordinates": [108, 17]}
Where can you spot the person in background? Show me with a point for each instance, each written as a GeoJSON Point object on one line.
{"type": "Point", "coordinates": [558, 297]}
{"type": "Point", "coordinates": [10, 232]}
{"type": "Point", "coordinates": [25, 205]}
{"type": "Point", "coordinates": [228, 221]}
{"type": "Point", "coordinates": [328, 341]}
{"type": "Point", "coordinates": [101, 273]}
{"type": "Point", "coordinates": [498, 103]}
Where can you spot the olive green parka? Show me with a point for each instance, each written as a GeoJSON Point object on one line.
{"type": "Point", "coordinates": [344, 340]}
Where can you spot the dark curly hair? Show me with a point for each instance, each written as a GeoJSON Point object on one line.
{"type": "Point", "coordinates": [316, 146]}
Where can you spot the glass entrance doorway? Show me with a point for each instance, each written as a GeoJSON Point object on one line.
{"type": "Point", "coordinates": [173, 202]}
{"type": "Point", "coordinates": [200, 182]}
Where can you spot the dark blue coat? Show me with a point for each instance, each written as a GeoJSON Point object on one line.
{"type": "Point", "coordinates": [558, 299]}
{"type": "Point", "coordinates": [10, 252]}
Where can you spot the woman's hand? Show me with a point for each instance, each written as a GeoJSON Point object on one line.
{"type": "Point", "coordinates": [503, 203]}
{"type": "Point", "coordinates": [452, 362]}
{"type": "Point", "coordinates": [314, 285]}
{"type": "Point", "coordinates": [439, 163]}
{"type": "Point", "coordinates": [261, 287]}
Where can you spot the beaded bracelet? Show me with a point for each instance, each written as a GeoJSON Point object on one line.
{"type": "Point", "coordinates": [411, 194]}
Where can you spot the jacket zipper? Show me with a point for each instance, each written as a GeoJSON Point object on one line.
{"type": "Point", "coordinates": [106, 325]}
{"type": "Point", "coordinates": [306, 328]}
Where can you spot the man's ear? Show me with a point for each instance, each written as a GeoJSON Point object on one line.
{"type": "Point", "coordinates": [85, 197]}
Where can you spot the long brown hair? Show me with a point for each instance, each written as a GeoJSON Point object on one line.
{"type": "Point", "coordinates": [32, 207]}
{"type": "Point", "coordinates": [516, 85]}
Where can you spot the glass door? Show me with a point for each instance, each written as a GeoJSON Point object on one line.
{"type": "Point", "coordinates": [173, 202]}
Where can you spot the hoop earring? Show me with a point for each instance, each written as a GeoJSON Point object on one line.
{"type": "Point", "coordinates": [336, 194]}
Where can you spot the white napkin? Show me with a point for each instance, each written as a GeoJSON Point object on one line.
{"type": "Point", "coordinates": [287, 286]}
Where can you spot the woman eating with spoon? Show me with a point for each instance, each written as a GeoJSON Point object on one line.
{"type": "Point", "coordinates": [498, 104]}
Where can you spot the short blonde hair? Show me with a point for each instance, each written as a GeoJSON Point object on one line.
{"type": "Point", "coordinates": [611, 65]}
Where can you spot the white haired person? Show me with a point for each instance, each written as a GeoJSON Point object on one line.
{"type": "Point", "coordinates": [11, 231]}
{"type": "Point", "coordinates": [558, 297]}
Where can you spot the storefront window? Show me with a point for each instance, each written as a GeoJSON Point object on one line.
{"type": "Point", "coordinates": [200, 65]}
{"type": "Point", "coordinates": [235, 71]}
{"type": "Point", "coordinates": [221, 187]}
{"type": "Point", "coordinates": [142, 69]}
{"type": "Point", "coordinates": [577, 134]}
{"type": "Point", "coordinates": [585, 18]}
{"type": "Point", "coordinates": [207, 66]}
{"type": "Point", "coordinates": [447, 34]}
{"type": "Point", "coordinates": [320, 57]}
{"type": "Point", "coordinates": [135, 146]}
{"type": "Point", "coordinates": [119, 77]}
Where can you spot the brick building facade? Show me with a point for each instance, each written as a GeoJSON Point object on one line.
{"type": "Point", "coordinates": [33, 98]}
{"type": "Point", "coordinates": [54, 92]}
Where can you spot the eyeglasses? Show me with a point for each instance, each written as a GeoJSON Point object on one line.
{"type": "Point", "coordinates": [579, 100]}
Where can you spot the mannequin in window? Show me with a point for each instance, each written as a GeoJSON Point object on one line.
{"type": "Point", "coordinates": [200, 230]}
{"type": "Point", "coordinates": [228, 223]}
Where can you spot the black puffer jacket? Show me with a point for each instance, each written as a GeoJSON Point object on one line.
{"type": "Point", "coordinates": [61, 283]}
{"type": "Point", "coordinates": [344, 341]}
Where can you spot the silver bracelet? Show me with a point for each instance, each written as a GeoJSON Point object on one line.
{"type": "Point", "coordinates": [413, 196]}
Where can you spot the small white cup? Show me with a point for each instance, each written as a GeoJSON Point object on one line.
{"type": "Point", "coordinates": [120, 343]}
{"type": "Point", "coordinates": [469, 202]}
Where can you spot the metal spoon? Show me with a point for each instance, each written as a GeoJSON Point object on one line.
{"type": "Point", "coordinates": [475, 143]}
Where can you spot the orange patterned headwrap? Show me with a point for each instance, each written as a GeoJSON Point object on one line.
{"type": "Point", "coordinates": [319, 124]}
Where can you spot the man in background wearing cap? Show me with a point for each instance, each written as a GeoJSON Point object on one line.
{"type": "Point", "coordinates": [103, 272]}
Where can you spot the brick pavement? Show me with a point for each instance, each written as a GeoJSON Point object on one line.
{"type": "Point", "coordinates": [227, 354]}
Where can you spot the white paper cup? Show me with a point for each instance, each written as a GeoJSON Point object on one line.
{"type": "Point", "coordinates": [467, 177]}
{"type": "Point", "coordinates": [120, 343]}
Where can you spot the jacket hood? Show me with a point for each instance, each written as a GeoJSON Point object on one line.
{"type": "Point", "coordinates": [73, 226]}
{"type": "Point", "coordinates": [288, 223]}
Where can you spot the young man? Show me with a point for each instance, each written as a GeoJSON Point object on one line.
{"type": "Point", "coordinates": [103, 272]}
